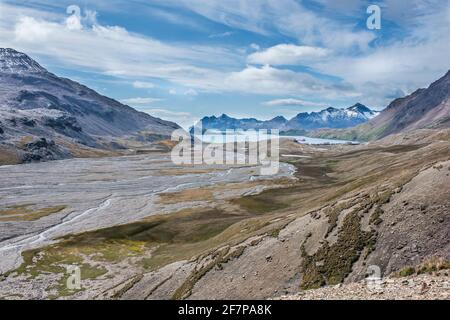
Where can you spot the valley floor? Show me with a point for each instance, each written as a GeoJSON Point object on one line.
{"type": "Point", "coordinates": [142, 228]}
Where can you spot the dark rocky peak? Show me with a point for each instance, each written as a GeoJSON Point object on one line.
{"type": "Point", "coordinates": [330, 109]}
{"type": "Point", "coordinates": [358, 107]}
{"type": "Point", "coordinates": [279, 119]}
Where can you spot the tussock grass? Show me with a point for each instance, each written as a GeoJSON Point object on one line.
{"type": "Point", "coordinates": [330, 265]}
{"type": "Point", "coordinates": [9, 156]}
{"type": "Point", "coordinates": [200, 194]}
{"type": "Point", "coordinates": [431, 265]}
{"type": "Point", "coordinates": [259, 204]}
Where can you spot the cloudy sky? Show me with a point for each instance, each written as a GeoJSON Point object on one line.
{"type": "Point", "coordinates": [183, 59]}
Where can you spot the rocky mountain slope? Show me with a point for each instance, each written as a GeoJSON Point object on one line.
{"type": "Point", "coordinates": [327, 118]}
{"type": "Point", "coordinates": [42, 109]}
{"type": "Point", "coordinates": [423, 109]}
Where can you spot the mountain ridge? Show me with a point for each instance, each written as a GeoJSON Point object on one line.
{"type": "Point", "coordinates": [326, 118]}
{"type": "Point", "coordinates": [37, 104]}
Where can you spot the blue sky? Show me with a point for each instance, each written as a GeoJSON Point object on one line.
{"type": "Point", "coordinates": [181, 60]}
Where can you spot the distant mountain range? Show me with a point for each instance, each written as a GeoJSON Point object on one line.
{"type": "Point", "coordinates": [36, 104]}
{"type": "Point", "coordinates": [423, 109]}
{"type": "Point", "coordinates": [327, 118]}
{"type": "Point", "coordinates": [45, 117]}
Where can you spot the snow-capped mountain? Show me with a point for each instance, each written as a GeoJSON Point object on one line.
{"type": "Point", "coordinates": [332, 118]}
{"type": "Point", "coordinates": [360, 108]}
{"type": "Point", "coordinates": [12, 61]}
{"type": "Point", "coordinates": [327, 118]}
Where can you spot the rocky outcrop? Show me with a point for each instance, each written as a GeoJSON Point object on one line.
{"type": "Point", "coordinates": [43, 150]}
{"type": "Point", "coordinates": [63, 123]}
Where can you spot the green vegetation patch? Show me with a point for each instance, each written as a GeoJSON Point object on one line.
{"type": "Point", "coordinates": [54, 260]}
{"type": "Point", "coordinates": [431, 265]}
{"type": "Point", "coordinates": [174, 228]}
{"type": "Point", "coordinates": [364, 132]}
{"type": "Point", "coordinates": [259, 204]}
{"type": "Point", "coordinates": [375, 217]}
{"type": "Point", "coordinates": [379, 199]}
{"type": "Point", "coordinates": [87, 272]}
{"type": "Point", "coordinates": [50, 260]}
{"type": "Point", "coordinates": [333, 213]}
{"type": "Point", "coordinates": [406, 271]}
{"type": "Point", "coordinates": [155, 241]}
{"type": "Point", "coordinates": [111, 250]}
{"type": "Point", "coordinates": [171, 237]}
{"type": "Point", "coordinates": [330, 265]}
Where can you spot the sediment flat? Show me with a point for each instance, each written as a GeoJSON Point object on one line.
{"type": "Point", "coordinates": [98, 193]}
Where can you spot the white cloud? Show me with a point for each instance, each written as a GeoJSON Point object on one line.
{"type": "Point", "coordinates": [376, 72]}
{"type": "Point", "coordinates": [221, 35]}
{"type": "Point", "coordinates": [288, 17]}
{"type": "Point", "coordinates": [234, 13]}
{"type": "Point", "coordinates": [191, 92]}
{"type": "Point", "coordinates": [174, 18]}
{"type": "Point", "coordinates": [143, 85]}
{"type": "Point", "coordinates": [166, 112]}
{"type": "Point", "coordinates": [95, 48]}
{"type": "Point", "coordinates": [398, 67]}
{"type": "Point", "coordinates": [293, 102]}
{"type": "Point", "coordinates": [287, 54]}
{"type": "Point", "coordinates": [29, 29]}
{"type": "Point", "coordinates": [140, 101]}
{"type": "Point", "coordinates": [184, 119]}
{"type": "Point", "coordinates": [373, 73]}
{"type": "Point", "coordinates": [255, 47]}
{"type": "Point", "coordinates": [269, 80]}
